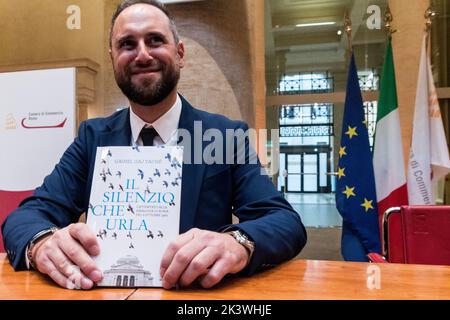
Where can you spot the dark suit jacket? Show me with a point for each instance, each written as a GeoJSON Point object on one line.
{"type": "Point", "coordinates": [210, 193]}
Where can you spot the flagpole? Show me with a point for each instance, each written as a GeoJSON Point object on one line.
{"type": "Point", "coordinates": [388, 18]}
{"type": "Point", "coordinates": [348, 31]}
{"type": "Point", "coordinates": [429, 15]}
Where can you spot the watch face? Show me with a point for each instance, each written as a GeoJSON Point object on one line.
{"type": "Point", "coordinates": [240, 237]}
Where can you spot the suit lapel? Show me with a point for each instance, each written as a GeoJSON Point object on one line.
{"type": "Point", "coordinates": [192, 173]}
{"type": "Point", "coordinates": [119, 131]}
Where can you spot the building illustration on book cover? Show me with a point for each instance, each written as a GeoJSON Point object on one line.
{"type": "Point", "coordinates": [127, 272]}
{"type": "Point", "coordinates": [134, 211]}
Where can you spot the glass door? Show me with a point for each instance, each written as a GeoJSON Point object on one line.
{"type": "Point", "coordinates": [310, 166]}
{"type": "Point", "coordinates": [294, 173]}
{"type": "Point", "coordinates": [305, 172]}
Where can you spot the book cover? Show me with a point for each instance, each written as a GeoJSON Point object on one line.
{"type": "Point", "coordinates": [134, 211]}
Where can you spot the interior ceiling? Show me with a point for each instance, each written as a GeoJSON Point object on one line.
{"type": "Point", "coordinates": [290, 49]}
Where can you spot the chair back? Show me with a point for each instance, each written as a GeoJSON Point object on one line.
{"type": "Point", "coordinates": [417, 235]}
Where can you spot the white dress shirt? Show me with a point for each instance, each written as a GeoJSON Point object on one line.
{"type": "Point", "coordinates": [166, 126]}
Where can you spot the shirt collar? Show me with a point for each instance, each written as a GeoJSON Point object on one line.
{"type": "Point", "coordinates": [166, 125]}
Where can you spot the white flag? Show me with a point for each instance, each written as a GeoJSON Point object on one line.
{"type": "Point", "coordinates": [429, 159]}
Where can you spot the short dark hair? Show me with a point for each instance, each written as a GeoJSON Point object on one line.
{"type": "Point", "coordinates": [155, 3]}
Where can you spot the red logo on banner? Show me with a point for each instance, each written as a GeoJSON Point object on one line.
{"type": "Point", "coordinates": [61, 125]}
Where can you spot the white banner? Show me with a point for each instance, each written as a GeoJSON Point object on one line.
{"type": "Point", "coordinates": [37, 114]}
{"type": "Point", "coordinates": [429, 158]}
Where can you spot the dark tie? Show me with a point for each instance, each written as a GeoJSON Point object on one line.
{"type": "Point", "coordinates": [148, 135]}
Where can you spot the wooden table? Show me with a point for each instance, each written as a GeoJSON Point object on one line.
{"type": "Point", "coordinates": [26, 285]}
{"type": "Point", "coordinates": [308, 279]}
{"type": "Point", "coordinates": [296, 279]}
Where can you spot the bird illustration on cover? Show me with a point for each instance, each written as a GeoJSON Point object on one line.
{"type": "Point", "coordinates": [134, 210]}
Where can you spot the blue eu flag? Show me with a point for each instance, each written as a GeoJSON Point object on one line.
{"type": "Point", "coordinates": [355, 188]}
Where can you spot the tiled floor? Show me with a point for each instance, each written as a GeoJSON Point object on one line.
{"type": "Point", "coordinates": [316, 210]}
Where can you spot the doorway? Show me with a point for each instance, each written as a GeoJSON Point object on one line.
{"type": "Point", "coordinates": [306, 170]}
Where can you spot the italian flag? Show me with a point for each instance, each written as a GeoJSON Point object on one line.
{"type": "Point", "coordinates": [388, 161]}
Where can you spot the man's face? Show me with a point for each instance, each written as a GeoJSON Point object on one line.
{"type": "Point", "coordinates": [145, 57]}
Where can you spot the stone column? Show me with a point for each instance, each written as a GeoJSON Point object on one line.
{"type": "Point", "coordinates": [255, 12]}
{"type": "Point", "coordinates": [86, 80]}
{"type": "Point", "coordinates": [410, 24]}
{"type": "Point", "coordinates": [255, 16]}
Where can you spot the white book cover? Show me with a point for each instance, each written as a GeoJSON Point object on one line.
{"type": "Point", "coordinates": [134, 211]}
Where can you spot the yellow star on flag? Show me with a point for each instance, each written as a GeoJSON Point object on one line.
{"type": "Point", "coordinates": [367, 204]}
{"type": "Point", "coordinates": [366, 123]}
{"type": "Point", "coordinates": [341, 173]}
{"type": "Point", "coordinates": [349, 192]}
{"type": "Point", "coordinates": [342, 152]}
{"type": "Point", "coordinates": [351, 132]}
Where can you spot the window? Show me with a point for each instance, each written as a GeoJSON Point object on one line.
{"type": "Point", "coordinates": [370, 110]}
{"type": "Point", "coordinates": [306, 124]}
{"type": "Point", "coordinates": [305, 83]}
{"type": "Point", "coordinates": [368, 80]}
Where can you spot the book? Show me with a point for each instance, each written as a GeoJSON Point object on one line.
{"type": "Point", "coordinates": [134, 211]}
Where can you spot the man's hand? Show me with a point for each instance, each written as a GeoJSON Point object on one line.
{"type": "Point", "coordinates": [201, 254]}
{"type": "Point", "coordinates": [65, 257]}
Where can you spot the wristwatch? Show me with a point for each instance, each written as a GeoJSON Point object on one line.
{"type": "Point", "coordinates": [34, 241]}
{"type": "Point", "coordinates": [243, 239]}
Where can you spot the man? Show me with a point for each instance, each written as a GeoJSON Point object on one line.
{"type": "Point", "coordinates": [147, 56]}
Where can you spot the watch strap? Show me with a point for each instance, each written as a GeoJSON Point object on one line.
{"type": "Point", "coordinates": [38, 236]}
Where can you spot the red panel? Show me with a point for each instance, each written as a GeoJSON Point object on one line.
{"type": "Point", "coordinates": [9, 200]}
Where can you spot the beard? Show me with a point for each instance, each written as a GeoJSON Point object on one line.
{"type": "Point", "coordinates": [148, 92]}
